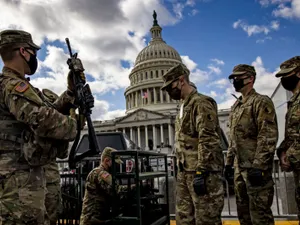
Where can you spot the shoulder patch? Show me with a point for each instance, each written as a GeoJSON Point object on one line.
{"type": "Point", "coordinates": [104, 175]}
{"type": "Point", "coordinates": [21, 87]}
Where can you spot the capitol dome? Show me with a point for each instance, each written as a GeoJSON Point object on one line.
{"type": "Point", "coordinates": [146, 76]}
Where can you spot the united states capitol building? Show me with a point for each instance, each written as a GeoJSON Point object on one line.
{"type": "Point", "coordinates": [150, 113]}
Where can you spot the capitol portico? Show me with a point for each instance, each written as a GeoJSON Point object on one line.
{"type": "Point", "coordinates": [150, 113]}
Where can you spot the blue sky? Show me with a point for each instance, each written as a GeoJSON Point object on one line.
{"type": "Point", "coordinates": [212, 36]}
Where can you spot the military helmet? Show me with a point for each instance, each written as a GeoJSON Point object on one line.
{"type": "Point", "coordinates": [242, 69]}
{"type": "Point", "coordinates": [173, 74]}
{"type": "Point", "coordinates": [107, 153]}
{"type": "Point", "coordinates": [16, 39]}
{"type": "Point", "coordinates": [289, 66]}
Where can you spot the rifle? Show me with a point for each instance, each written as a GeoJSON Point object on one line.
{"type": "Point", "coordinates": [83, 91]}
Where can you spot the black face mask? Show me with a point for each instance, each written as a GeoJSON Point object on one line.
{"type": "Point", "coordinates": [239, 84]}
{"type": "Point", "coordinates": [175, 93]}
{"type": "Point", "coordinates": [290, 83]}
{"type": "Point", "coordinates": [32, 63]}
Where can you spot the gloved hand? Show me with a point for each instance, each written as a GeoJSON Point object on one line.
{"type": "Point", "coordinates": [255, 177]}
{"type": "Point", "coordinates": [199, 183]}
{"type": "Point", "coordinates": [89, 101]}
{"type": "Point", "coordinates": [228, 171]}
{"type": "Point", "coordinates": [76, 64]}
{"type": "Point", "coordinates": [71, 86]}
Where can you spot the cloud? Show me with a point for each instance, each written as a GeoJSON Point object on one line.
{"type": "Point", "coordinates": [218, 61]}
{"type": "Point", "coordinates": [288, 9]}
{"type": "Point", "coordinates": [260, 41]}
{"type": "Point", "coordinates": [266, 3]}
{"type": "Point", "coordinates": [288, 12]}
{"type": "Point", "coordinates": [263, 77]}
{"type": "Point", "coordinates": [104, 35]}
{"type": "Point", "coordinates": [198, 75]}
{"type": "Point", "coordinates": [256, 29]}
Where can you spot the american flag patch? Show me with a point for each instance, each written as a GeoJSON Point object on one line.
{"type": "Point", "coordinates": [21, 87]}
{"type": "Point", "coordinates": [105, 175]}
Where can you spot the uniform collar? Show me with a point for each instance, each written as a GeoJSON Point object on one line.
{"type": "Point", "coordinates": [251, 93]}
{"type": "Point", "coordinates": [188, 98]}
{"type": "Point", "coordinates": [295, 96]}
{"type": "Point", "coordinates": [7, 70]}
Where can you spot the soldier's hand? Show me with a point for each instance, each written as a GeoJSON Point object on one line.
{"type": "Point", "coordinates": [255, 177]}
{"type": "Point", "coordinates": [228, 171]}
{"type": "Point", "coordinates": [89, 101]}
{"type": "Point", "coordinates": [199, 183]}
{"type": "Point", "coordinates": [71, 85]}
{"type": "Point", "coordinates": [75, 64]}
{"type": "Point", "coordinates": [284, 163]}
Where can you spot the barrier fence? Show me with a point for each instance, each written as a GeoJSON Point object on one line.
{"type": "Point", "coordinates": [73, 181]}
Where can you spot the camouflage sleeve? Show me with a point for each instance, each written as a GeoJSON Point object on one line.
{"type": "Point", "coordinates": [230, 152]}
{"type": "Point", "coordinates": [267, 128]}
{"type": "Point", "coordinates": [105, 181]}
{"type": "Point", "coordinates": [64, 103]}
{"type": "Point", "coordinates": [27, 107]}
{"type": "Point", "coordinates": [206, 120]}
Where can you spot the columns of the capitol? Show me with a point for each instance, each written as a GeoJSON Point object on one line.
{"type": "Point", "coordinates": [170, 129]}
{"type": "Point", "coordinates": [131, 133]}
{"type": "Point", "coordinates": [168, 98]}
{"type": "Point", "coordinates": [146, 137]}
{"type": "Point", "coordinates": [154, 136]}
{"type": "Point", "coordinates": [161, 133]}
{"type": "Point", "coordinates": [161, 96]}
{"type": "Point", "coordinates": [139, 136]}
{"type": "Point", "coordinates": [155, 97]}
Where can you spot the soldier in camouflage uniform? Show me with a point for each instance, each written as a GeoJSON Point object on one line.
{"type": "Point", "coordinates": [253, 138]}
{"type": "Point", "coordinates": [96, 203]}
{"type": "Point", "coordinates": [289, 150]}
{"type": "Point", "coordinates": [199, 187]}
{"type": "Point", "coordinates": [32, 132]}
{"type": "Point", "coordinates": [53, 201]}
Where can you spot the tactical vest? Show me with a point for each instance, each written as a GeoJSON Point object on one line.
{"type": "Point", "coordinates": [37, 151]}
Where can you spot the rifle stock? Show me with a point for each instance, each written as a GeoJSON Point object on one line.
{"type": "Point", "coordinates": [82, 91]}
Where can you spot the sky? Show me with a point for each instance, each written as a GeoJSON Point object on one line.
{"type": "Point", "coordinates": [212, 36]}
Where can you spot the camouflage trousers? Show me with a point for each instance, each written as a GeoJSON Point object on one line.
{"type": "Point", "coordinates": [192, 209]}
{"type": "Point", "coordinates": [22, 198]}
{"type": "Point", "coordinates": [297, 190]}
{"type": "Point", "coordinates": [53, 201]}
{"type": "Point", "coordinates": [253, 203]}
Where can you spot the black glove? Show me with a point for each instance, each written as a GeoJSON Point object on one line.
{"type": "Point", "coordinates": [228, 171]}
{"type": "Point", "coordinates": [255, 177]}
{"type": "Point", "coordinates": [199, 183]}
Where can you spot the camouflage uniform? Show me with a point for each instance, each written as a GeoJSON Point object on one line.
{"type": "Point", "coordinates": [31, 134]}
{"type": "Point", "coordinates": [291, 143]}
{"type": "Point", "coordinates": [53, 200]}
{"type": "Point", "coordinates": [198, 146]}
{"type": "Point", "coordinates": [253, 138]}
{"type": "Point", "coordinates": [96, 203]}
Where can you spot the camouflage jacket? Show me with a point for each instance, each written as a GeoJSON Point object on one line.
{"type": "Point", "coordinates": [32, 130]}
{"type": "Point", "coordinates": [97, 199]}
{"type": "Point", "coordinates": [253, 132]}
{"type": "Point", "coordinates": [291, 142]}
{"type": "Point", "coordinates": [197, 140]}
